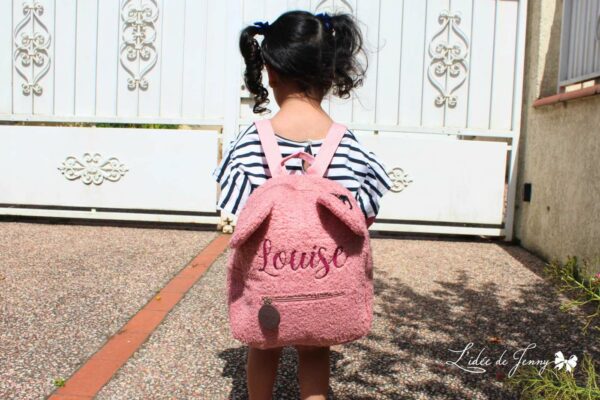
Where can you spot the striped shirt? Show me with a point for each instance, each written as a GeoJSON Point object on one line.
{"type": "Point", "coordinates": [244, 167]}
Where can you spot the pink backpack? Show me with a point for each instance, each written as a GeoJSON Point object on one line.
{"type": "Point", "coordinates": [300, 268]}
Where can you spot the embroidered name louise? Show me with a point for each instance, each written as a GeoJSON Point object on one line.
{"type": "Point", "coordinates": [277, 261]}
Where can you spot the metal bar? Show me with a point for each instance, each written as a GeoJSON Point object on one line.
{"type": "Point", "coordinates": [109, 120]}
{"type": "Point", "coordinates": [564, 43]}
{"type": "Point", "coordinates": [425, 52]}
{"type": "Point", "coordinates": [579, 79]}
{"type": "Point", "coordinates": [400, 66]}
{"type": "Point", "coordinates": [96, 64]}
{"type": "Point", "coordinates": [387, 227]}
{"type": "Point", "coordinates": [444, 131]}
{"type": "Point", "coordinates": [101, 215]}
{"type": "Point", "coordinates": [377, 55]}
{"type": "Point", "coordinates": [493, 67]}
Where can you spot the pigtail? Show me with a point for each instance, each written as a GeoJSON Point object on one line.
{"type": "Point", "coordinates": [254, 61]}
{"type": "Point", "coordinates": [348, 72]}
{"type": "Point", "coordinates": [317, 53]}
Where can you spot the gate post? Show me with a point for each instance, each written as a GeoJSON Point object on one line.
{"type": "Point", "coordinates": [516, 121]}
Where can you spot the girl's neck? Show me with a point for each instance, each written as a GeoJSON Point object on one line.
{"type": "Point", "coordinates": [301, 119]}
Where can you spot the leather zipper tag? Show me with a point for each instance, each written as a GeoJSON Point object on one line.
{"type": "Point", "coordinates": [268, 317]}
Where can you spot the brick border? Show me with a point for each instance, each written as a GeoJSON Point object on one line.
{"type": "Point", "coordinates": [99, 369]}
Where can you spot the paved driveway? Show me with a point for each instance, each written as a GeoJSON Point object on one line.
{"type": "Point", "coordinates": [68, 288]}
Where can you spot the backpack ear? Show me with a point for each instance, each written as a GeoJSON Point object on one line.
{"type": "Point", "coordinates": [248, 223]}
{"type": "Point", "coordinates": [342, 210]}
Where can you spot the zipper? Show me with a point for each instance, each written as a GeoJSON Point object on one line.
{"type": "Point", "coordinates": [301, 297]}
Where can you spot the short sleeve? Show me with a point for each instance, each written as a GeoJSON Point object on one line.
{"type": "Point", "coordinates": [375, 184]}
{"type": "Point", "coordinates": [235, 185]}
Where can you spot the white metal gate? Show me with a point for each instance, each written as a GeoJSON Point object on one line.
{"type": "Point", "coordinates": [441, 106]}
{"type": "Point", "coordinates": [114, 61]}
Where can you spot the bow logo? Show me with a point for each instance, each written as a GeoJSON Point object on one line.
{"type": "Point", "coordinates": [561, 361]}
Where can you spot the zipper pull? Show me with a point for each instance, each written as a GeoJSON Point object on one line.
{"type": "Point", "coordinates": [268, 316]}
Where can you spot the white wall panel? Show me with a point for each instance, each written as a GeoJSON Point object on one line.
{"type": "Point", "coordinates": [161, 168]}
{"type": "Point", "coordinates": [458, 181]}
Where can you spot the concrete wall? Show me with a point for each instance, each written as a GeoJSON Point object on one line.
{"type": "Point", "coordinates": [559, 152]}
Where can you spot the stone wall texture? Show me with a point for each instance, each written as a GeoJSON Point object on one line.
{"type": "Point", "coordinates": [559, 153]}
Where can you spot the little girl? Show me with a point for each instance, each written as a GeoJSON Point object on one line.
{"type": "Point", "coordinates": [306, 56]}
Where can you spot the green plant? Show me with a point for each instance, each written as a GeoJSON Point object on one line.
{"type": "Point", "coordinates": [556, 384]}
{"type": "Point", "coordinates": [58, 382]}
{"type": "Point", "coordinates": [576, 279]}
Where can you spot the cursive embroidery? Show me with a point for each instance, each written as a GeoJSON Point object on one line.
{"type": "Point", "coordinates": [274, 261]}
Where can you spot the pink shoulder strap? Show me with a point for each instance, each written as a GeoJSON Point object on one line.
{"type": "Point", "coordinates": [269, 145]}
{"type": "Point", "coordinates": [327, 150]}
{"type": "Point", "coordinates": [321, 161]}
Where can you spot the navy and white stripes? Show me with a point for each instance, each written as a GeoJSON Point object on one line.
{"type": "Point", "coordinates": [244, 168]}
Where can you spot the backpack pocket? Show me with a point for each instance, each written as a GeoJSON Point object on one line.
{"type": "Point", "coordinates": [323, 318]}
{"type": "Point", "coordinates": [268, 314]}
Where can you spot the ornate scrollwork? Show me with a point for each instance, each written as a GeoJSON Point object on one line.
{"type": "Point", "coordinates": [92, 169]}
{"type": "Point", "coordinates": [32, 41]}
{"type": "Point", "coordinates": [400, 179]}
{"type": "Point", "coordinates": [138, 54]}
{"type": "Point", "coordinates": [334, 6]}
{"type": "Point", "coordinates": [448, 59]}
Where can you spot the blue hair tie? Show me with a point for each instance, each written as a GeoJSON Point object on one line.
{"type": "Point", "coordinates": [326, 18]}
{"type": "Point", "coordinates": [263, 26]}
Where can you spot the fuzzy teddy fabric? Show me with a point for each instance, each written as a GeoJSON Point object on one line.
{"type": "Point", "coordinates": [301, 241]}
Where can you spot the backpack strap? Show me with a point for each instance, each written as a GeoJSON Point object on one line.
{"type": "Point", "coordinates": [269, 145]}
{"type": "Point", "coordinates": [327, 150]}
{"type": "Point", "coordinates": [321, 161]}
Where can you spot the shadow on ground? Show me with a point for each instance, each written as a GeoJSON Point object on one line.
{"type": "Point", "coordinates": [501, 310]}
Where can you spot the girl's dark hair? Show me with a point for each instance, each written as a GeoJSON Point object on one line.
{"type": "Point", "coordinates": [304, 49]}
